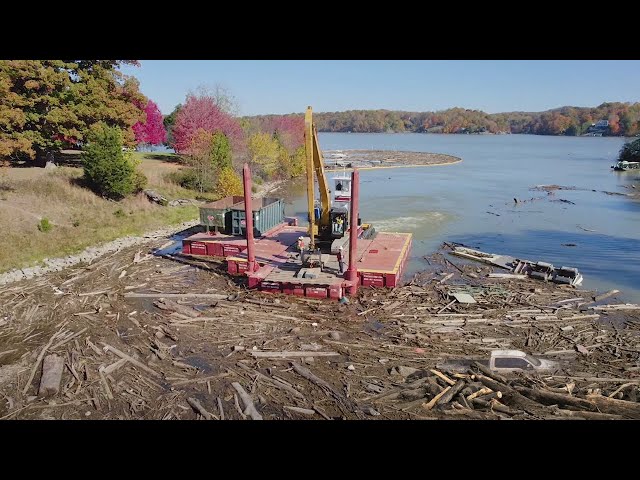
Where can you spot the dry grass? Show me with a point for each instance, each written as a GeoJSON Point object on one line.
{"type": "Point", "coordinates": [79, 217]}
{"type": "Point", "coordinates": [157, 167]}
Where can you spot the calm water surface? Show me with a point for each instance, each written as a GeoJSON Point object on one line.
{"type": "Point", "coordinates": [473, 202]}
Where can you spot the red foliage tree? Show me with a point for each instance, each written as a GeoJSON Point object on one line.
{"type": "Point", "coordinates": [202, 113]}
{"type": "Point", "coordinates": [151, 131]}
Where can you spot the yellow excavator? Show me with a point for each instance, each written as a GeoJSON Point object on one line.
{"type": "Point", "coordinates": [326, 223]}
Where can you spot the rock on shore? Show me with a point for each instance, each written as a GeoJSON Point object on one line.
{"type": "Point", "coordinates": [89, 254]}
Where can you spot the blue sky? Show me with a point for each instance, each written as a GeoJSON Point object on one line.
{"type": "Point", "coordinates": [286, 86]}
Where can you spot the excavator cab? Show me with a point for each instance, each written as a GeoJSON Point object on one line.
{"type": "Point", "coordinates": [339, 222]}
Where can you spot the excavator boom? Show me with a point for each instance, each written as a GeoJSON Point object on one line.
{"type": "Point", "coordinates": [315, 162]}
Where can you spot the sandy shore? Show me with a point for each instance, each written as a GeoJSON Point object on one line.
{"type": "Point", "coordinates": [377, 159]}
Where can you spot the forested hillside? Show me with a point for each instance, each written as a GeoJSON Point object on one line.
{"type": "Point", "coordinates": [617, 119]}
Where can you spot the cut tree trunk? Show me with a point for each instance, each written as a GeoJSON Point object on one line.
{"type": "Point", "coordinates": [510, 396]}
{"type": "Point", "coordinates": [551, 398]}
{"type": "Point", "coordinates": [619, 407]}
{"type": "Point", "coordinates": [453, 391]}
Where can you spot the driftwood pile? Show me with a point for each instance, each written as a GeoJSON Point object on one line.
{"type": "Point", "coordinates": [136, 336]}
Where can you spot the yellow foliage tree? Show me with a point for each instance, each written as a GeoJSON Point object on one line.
{"type": "Point", "coordinates": [265, 153]}
{"type": "Point", "coordinates": [228, 183]}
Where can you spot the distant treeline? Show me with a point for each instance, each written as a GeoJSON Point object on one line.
{"type": "Point", "coordinates": [615, 119]}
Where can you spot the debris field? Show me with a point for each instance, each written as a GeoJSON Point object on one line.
{"type": "Point", "coordinates": [133, 335]}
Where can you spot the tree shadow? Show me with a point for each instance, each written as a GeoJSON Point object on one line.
{"type": "Point", "coordinates": [81, 182]}
{"type": "Point", "coordinates": [167, 157]}
{"type": "Point", "coordinates": [65, 158]}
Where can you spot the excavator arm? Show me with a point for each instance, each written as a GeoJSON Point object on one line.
{"type": "Point", "coordinates": [315, 162]}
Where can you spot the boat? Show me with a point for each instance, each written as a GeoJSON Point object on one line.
{"type": "Point", "coordinates": [539, 270]}
{"type": "Point", "coordinates": [624, 165]}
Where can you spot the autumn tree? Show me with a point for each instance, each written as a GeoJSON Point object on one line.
{"type": "Point", "coordinates": [630, 151]}
{"type": "Point", "coordinates": [202, 113]}
{"type": "Point", "coordinates": [107, 169]}
{"type": "Point", "coordinates": [169, 122]}
{"type": "Point", "coordinates": [151, 131]}
{"type": "Point", "coordinates": [221, 95]}
{"type": "Point", "coordinates": [264, 152]}
{"type": "Point", "coordinates": [228, 182]}
{"type": "Point", "coordinates": [209, 155]}
{"type": "Point", "coordinates": [44, 104]}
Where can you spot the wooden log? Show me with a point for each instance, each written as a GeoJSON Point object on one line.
{"type": "Point", "coordinates": [197, 406]}
{"type": "Point", "coordinates": [617, 306]}
{"type": "Point", "coordinates": [620, 388]}
{"type": "Point", "coordinates": [569, 300]}
{"type": "Point", "coordinates": [463, 401]}
{"type": "Point", "coordinates": [303, 411]}
{"type": "Point", "coordinates": [272, 381]}
{"type": "Point", "coordinates": [345, 404]}
{"type": "Point", "coordinates": [491, 405]}
{"type": "Point", "coordinates": [491, 395]}
{"type": "Point", "coordinates": [184, 323]}
{"type": "Point", "coordinates": [598, 379]}
{"type": "Point", "coordinates": [263, 354]}
{"type": "Point", "coordinates": [508, 276]}
{"type": "Point", "coordinates": [446, 306]}
{"type": "Point", "coordinates": [471, 388]}
{"type": "Point", "coordinates": [137, 363]}
{"type": "Point", "coordinates": [108, 370]}
{"type": "Point", "coordinates": [184, 366]}
{"type": "Point", "coordinates": [207, 296]}
{"type": "Point", "coordinates": [442, 376]}
{"type": "Point", "coordinates": [595, 316]}
{"type": "Point", "coordinates": [468, 413]}
{"type": "Point", "coordinates": [166, 304]}
{"type": "Point", "coordinates": [220, 409]}
{"type": "Point", "coordinates": [551, 398]}
{"type": "Point", "coordinates": [89, 294]}
{"type": "Point", "coordinates": [59, 344]}
{"type": "Point", "coordinates": [587, 415]}
{"type": "Point", "coordinates": [447, 397]}
{"type": "Point", "coordinates": [511, 397]}
{"type": "Point", "coordinates": [249, 407]}
{"type": "Point", "coordinates": [320, 412]}
{"type": "Point", "coordinates": [479, 393]}
{"type": "Point", "coordinates": [155, 197]}
{"type": "Point", "coordinates": [52, 367]}
{"type": "Point", "coordinates": [392, 394]}
{"type": "Point", "coordinates": [446, 277]}
{"type": "Point", "coordinates": [39, 359]}
{"type": "Point", "coordinates": [434, 400]}
{"type": "Point", "coordinates": [105, 384]}
{"type": "Point", "coordinates": [608, 294]}
{"type": "Point", "coordinates": [490, 373]}
{"type": "Point", "coordinates": [237, 404]}
{"type": "Point", "coordinates": [199, 380]}
{"type": "Point", "coordinates": [611, 405]}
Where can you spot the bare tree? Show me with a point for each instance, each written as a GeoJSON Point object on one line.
{"type": "Point", "coordinates": [221, 95]}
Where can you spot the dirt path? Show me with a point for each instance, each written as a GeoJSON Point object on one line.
{"type": "Point", "coordinates": [289, 357]}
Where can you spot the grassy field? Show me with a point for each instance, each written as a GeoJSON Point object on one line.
{"type": "Point", "coordinates": [79, 218]}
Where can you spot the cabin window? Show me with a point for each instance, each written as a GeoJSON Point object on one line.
{"type": "Point", "coordinates": [508, 362]}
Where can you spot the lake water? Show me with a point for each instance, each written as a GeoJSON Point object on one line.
{"type": "Point", "coordinates": [452, 203]}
